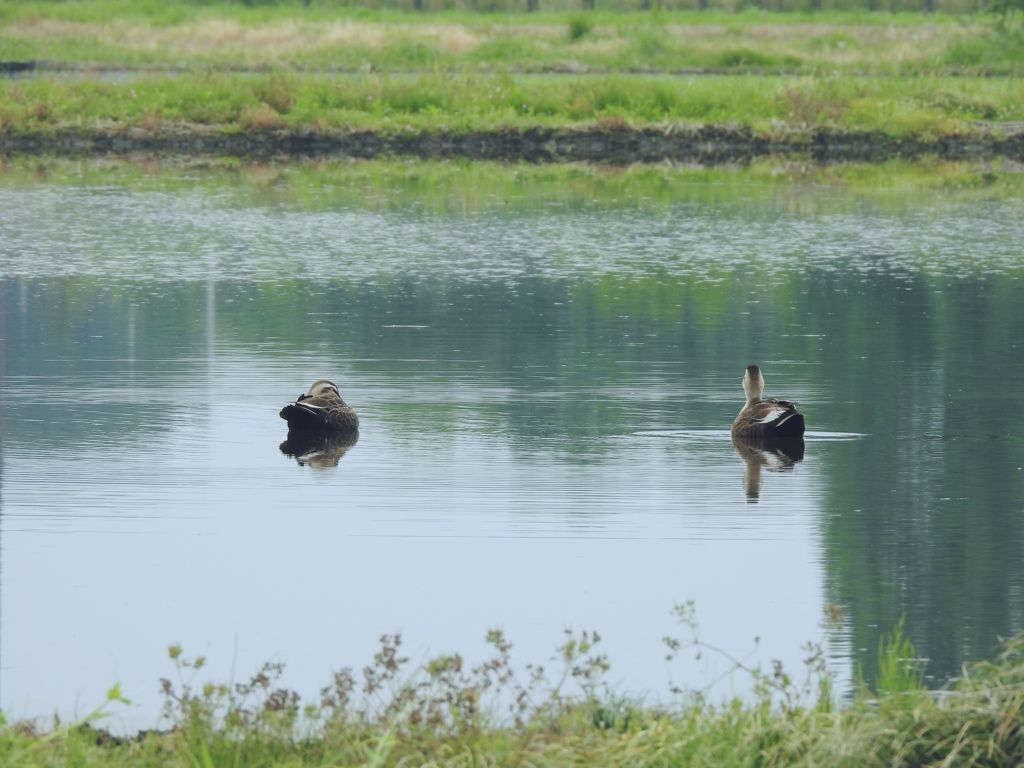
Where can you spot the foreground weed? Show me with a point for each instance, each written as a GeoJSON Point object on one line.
{"type": "Point", "coordinates": [445, 712]}
{"type": "Point", "coordinates": [393, 709]}
{"type": "Point", "coordinates": [22, 743]}
{"type": "Point", "coordinates": [769, 687]}
{"type": "Point", "coordinates": [900, 670]}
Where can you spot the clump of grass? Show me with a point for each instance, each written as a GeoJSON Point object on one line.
{"type": "Point", "coordinates": [260, 118]}
{"type": "Point", "coordinates": [989, 51]}
{"type": "Point", "coordinates": [26, 743]}
{"type": "Point", "coordinates": [277, 92]}
{"type": "Point", "coordinates": [900, 670]}
{"type": "Point", "coordinates": [579, 25]}
{"type": "Point", "coordinates": [731, 58]}
{"type": "Point", "coordinates": [818, 102]}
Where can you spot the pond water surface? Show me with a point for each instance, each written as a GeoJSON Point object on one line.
{"type": "Point", "coordinates": [545, 374]}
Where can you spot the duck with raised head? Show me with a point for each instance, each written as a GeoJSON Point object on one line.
{"type": "Point", "coordinates": [321, 409]}
{"type": "Point", "coordinates": [769, 418]}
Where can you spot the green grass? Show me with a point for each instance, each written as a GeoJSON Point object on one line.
{"type": "Point", "coordinates": [440, 102]}
{"type": "Point", "coordinates": [286, 35]}
{"type": "Point", "coordinates": [902, 75]}
{"type": "Point", "coordinates": [445, 712]}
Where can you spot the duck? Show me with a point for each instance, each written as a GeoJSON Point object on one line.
{"type": "Point", "coordinates": [321, 409]}
{"type": "Point", "coordinates": [769, 418]}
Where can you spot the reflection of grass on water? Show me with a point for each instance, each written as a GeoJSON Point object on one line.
{"type": "Point", "coordinates": [463, 185]}
{"type": "Point", "coordinates": [446, 713]}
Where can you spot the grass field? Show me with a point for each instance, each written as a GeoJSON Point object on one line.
{"type": "Point", "coordinates": [184, 34]}
{"type": "Point", "coordinates": [230, 68]}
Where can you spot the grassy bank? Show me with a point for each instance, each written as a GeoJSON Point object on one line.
{"type": "Point", "coordinates": [446, 713]}
{"type": "Point", "coordinates": [302, 79]}
{"type": "Point", "coordinates": [615, 119]}
{"type": "Point", "coordinates": [461, 103]}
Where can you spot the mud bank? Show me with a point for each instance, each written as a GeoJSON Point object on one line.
{"type": "Point", "coordinates": [705, 144]}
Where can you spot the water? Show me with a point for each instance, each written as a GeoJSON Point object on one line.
{"type": "Point", "coordinates": [545, 373]}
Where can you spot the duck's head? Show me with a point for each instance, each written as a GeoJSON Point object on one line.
{"type": "Point", "coordinates": [324, 389]}
{"type": "Point", "coordinates": [753, 383]}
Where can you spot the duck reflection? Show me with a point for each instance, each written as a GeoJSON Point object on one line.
{"type": "Point", "coordinates": [318, 449]}
{"type": "Point", "coordinates": [774, 454]}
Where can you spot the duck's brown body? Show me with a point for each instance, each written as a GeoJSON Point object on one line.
{"type": "Point", "coordinates": [321, 409]}
{"type": "Point", "coordinates": [769, 418]}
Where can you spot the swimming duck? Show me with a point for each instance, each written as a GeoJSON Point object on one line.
{"type": "Point", "coordinates": [765, 418]}
{"type": "Point", "coordinates": [321, 409]}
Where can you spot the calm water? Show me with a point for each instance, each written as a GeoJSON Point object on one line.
{"type": "Point", "coordinates": [545, 375]}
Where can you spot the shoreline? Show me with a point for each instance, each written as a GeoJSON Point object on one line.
{"type": "Point", "coordinates": [712, 144]}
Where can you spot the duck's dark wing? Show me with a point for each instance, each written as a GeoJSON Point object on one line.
{"type": "Point", "coordinates": [305, 416]}
{"type": "Point", "coordinates": [318, 414]}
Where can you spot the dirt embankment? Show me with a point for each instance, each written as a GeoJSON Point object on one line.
{"type": "Point", "coordinates": [706, 144]}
